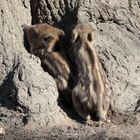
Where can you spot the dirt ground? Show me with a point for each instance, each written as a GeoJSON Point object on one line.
{"type": "Point", "coordinates": [121, 127]}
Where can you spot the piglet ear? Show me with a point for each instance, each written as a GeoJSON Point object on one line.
{"type": "Point", "coordinates": [74, 36]}
{"type": "Point", "coordinates": [32, 30]}
{"type": "Point", "coordinates": [25, 27]}
{"type": "Point", "coordinates": [90, 37]}
{"type": "Point", "coordinates": [60, 32]}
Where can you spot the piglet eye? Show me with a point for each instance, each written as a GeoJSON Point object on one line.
{"type": "Point", "coordinates": [47, 39]}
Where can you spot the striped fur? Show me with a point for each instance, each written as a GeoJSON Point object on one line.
{"type": "Point", "coordinates": [89, 95]}
{"type": "Point", "coordinates": [43, 39]}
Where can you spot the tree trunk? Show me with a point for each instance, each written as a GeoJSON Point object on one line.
{"type": "Point", "coordinates": [117, 25]}
{"type": "Point", "coordinates": [30, 95]}
{"type": "Point", "coordinates": [26, 90]}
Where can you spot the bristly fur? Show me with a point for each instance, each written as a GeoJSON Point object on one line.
{"type": "Point", "coordinates": [89, 94]}
{"type": "Point", "coordinates": [43, 40]}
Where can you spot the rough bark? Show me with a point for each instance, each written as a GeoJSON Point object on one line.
{"type": "Point", "coordinates": [117, 25]}
{"type": "Point", "coordinates": [28, 95]}
{"type": "Point", "coordinates": [26, 90]}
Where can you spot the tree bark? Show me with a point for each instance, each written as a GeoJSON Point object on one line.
{"type": "Point", "coordinates": [26, 90]}
{"type": "Point", "coordinates": [29, 93]}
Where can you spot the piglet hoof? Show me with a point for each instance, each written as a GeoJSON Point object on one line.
{"type": "Point", "coordinates": [2, 131]}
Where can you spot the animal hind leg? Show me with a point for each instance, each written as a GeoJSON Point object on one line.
{"type": "Point", "coordinates": [79, 108]}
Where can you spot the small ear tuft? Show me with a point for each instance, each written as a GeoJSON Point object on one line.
{"type": "Point", "coordinates": [60, 32]}
{"type": "Point", "coordinates": [74, 36]}
{"type": "Point", "coordinates": [25, 27]}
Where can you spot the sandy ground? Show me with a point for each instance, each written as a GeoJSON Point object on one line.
{"type": "Point", "coordinates": [128, 128]}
